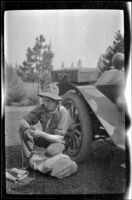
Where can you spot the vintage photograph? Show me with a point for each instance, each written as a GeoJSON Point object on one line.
{"type": "Point", "coordinates": [64, 101]}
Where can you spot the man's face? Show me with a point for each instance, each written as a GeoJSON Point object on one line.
{"type": "Point", "coordinates": [49, 103]}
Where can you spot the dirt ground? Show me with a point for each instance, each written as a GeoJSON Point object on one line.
{"type": "Point", "coordinates": [102, 174]}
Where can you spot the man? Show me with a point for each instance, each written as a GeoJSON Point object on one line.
{"type": "Point", "coordinates": [54, 119]}
{"type": "Point", "coordinates": [115, 77]}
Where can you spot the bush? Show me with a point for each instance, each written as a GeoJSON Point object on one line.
{"type": "Point", "coordinates": [25, 102]}
{"type": "Point", "coordinates": [31, 93]}
{"type": "Point", "coordinates": [23, 93]}
{"type": "Point", "coordinates": [15, 93]}
{"type": "Point", "coordinates": [18, 91]}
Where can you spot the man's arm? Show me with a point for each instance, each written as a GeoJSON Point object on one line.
{"type": "Point", "coordinates": [59, 132]}
{"type": "Point", "coordinates": [63, 122]}
{"type": "Point", "coordinates": [24, 125]}
{"type": "Point", "coordinates": [33, 116]}
{"type": "Point", "coordinates": [30, 119]}
{"type": "Point", "coordinates": [50, 138]}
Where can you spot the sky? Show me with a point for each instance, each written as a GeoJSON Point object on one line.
{"type": "Point", "coordinates": [74, 34]}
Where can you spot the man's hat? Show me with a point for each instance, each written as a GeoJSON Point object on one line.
{"type": "Point", "coordinates": [51, 91]}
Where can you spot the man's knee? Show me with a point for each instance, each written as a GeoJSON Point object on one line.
{"type": "Point", "coordinates": [54, 148]}
{"type": "Point", "coordinates": [24, 124]}
{"type": "Point", "coordinates": [22, 128]}
{"type": "Point", "coordinates": [41, 142]}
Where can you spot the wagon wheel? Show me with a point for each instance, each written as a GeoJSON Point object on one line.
{"type": "Point", "coordinates": [79, 135]}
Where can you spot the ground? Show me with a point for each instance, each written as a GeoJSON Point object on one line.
{"type": "Point", "coordinates": [102, 174]}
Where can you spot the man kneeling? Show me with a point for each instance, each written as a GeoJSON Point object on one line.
{"type": "Point", "coordinates": [54, 119]}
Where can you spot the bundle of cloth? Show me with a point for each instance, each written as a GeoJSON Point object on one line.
{"type": "Point", "coordinates": [53, 161]}
{"type": "Point", "coordinates": [16, 175]}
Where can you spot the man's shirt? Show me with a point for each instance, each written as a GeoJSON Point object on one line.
{"type": "Point", "coordinates": [53, 123]}
{"type": "Point", "coordinates": [111, 77]}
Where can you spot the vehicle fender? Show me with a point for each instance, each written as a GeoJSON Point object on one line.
{"type": "Point", "coordinates": [107, 113]}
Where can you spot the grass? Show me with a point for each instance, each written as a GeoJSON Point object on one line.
{"type": "Point", "coordinates": [101, 175]}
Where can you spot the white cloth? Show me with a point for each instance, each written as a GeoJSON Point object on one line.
{"type": "Point", "coordinates": [15, 174]}
{"type": "Point", "coordinates": [63, 167]}
{"type": "Point", "coordinates": [111, 77]}
{"type": "Point", "coordinates": [59, 166]}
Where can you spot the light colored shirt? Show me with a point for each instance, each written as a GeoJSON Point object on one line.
{"type": "Point", "coordinates": [53, 123]}
{"type": "Point", "coordinates": [111, 77]}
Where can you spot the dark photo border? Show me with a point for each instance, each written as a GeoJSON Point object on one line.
{"type": "Point", "coordinates": [36, 5]}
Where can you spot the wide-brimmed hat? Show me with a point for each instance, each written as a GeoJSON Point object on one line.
{"type": "Point", "coordinates": [51, 91]}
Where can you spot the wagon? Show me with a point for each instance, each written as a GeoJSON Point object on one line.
{"type": "Point", "coordinates": [93, 111]}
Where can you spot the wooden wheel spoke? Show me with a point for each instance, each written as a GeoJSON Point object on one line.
{"type": "Point", "coordinates": [74, 113]}
{"type": "Point", "coordinates": [70, 111]}
{"type": "Point", "coordinates": [78, 124]}
{"type": "Point", "coordinates": [68, 106]}
{"type": "Point", "coordinates": [77, 132]}
{"type": "Point", "coordinates": [77, 141]}
{"type": "Point", "coordinates": [76, 116]}
{"type": "Point", "coordinates": [71, 143]}
{"type": "Point", "coordinates": [74, 143]}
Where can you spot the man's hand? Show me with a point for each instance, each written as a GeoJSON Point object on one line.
{"type": "Point", "coordinates": [33, 133]}
{"type": "Point", "coordinates": [28, 135]}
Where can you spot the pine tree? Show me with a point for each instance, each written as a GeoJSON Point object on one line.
{"type": "Point", "coordinates": [79, 64]}
{"type": "Point", "coordinates": [72, 65]}
{"type": "Point", "coordinates": [62, 65]}
{"type": "Point", "coordinates": [116, 47]}
{"type": "Point", "coordinates": [38, 63]}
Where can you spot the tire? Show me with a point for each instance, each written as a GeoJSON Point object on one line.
{"type": "Point", "coordinates": [80, 131]}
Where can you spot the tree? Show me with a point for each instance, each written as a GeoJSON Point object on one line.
{"type": "Point", "coordinates": [11, 77]}
{"type": "Point", "coordinates": [72, 65]}
{"type": "Point", "coordinates": [79, 64]}
{"type": "Point", "coordinates": [102, 62]}
{"type": "Point", "coordinates": [9, 74]}
{"type": "Point", "coordinates": [38, 63]}
{"type": "Point", "coordinates": [62, 65]}
{"type": "Point", "coordinates": [27, 73]}
{"type": "Point", "coordinates": [116, 47]}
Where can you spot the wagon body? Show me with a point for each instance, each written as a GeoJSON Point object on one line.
{"type": "Point", "coordinates": [76, 75]}
{"type": "Point", "coordinates": [100, 102]}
